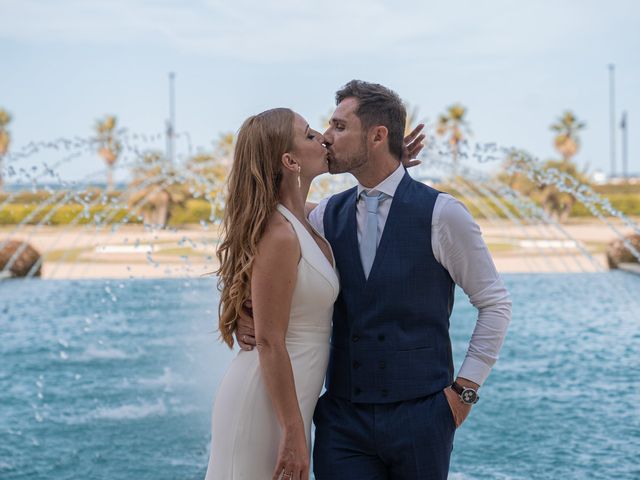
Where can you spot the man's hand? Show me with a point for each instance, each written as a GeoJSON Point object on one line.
{"type": "Point", "coordinates": [245, 332]}
{"type": "Point", "coordinates": [412, 146]}
{"type": "Point", "coordinates": [459, 409]}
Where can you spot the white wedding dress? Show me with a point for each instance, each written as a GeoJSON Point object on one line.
{"type": "Point", "coordinates": [245, 432]}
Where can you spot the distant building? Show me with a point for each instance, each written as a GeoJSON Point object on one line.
{"type": "Point", "coordinates": [601, 178]}
{"type": "Point", "coordinates": [632, 179]}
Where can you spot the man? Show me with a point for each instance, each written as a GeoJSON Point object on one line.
{"type": "Point", "coordinates": [391, 405]}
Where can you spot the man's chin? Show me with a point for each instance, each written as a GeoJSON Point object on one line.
{"type": "Point", "coordinates": [335, 167]}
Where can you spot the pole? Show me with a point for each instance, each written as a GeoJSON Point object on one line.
{"type": "Point", "coordinates": [612, 119]}
{"type": "Point", "coordinates": [171, 126]}
{"type": "Point", "coordinates": [625, 160]}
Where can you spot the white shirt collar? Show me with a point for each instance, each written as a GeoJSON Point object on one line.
{"type": "Point", "coordinates": [389, 185]}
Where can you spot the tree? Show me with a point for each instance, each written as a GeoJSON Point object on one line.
{"type": "Point", "coordinates": [544, 183]}
{"type": "Point", "coordinates": [224, 148]}
{"type": "Point", "coordinates": [209, 169]}
{"type": "Point", "coordinates": [453, 125]}
{"type": "Point", "coordinates": [109, 146]}
{"type": "Point", "coordinates": [152, 190]}
{"type": "Point", "coordinates": [5, 138]}
{"type": "Point", "coordinates": [566, 140]}
{"type": "Point", "coordinates": [212, 168]}
{"type": "Point", "coordinates": [556, 202]}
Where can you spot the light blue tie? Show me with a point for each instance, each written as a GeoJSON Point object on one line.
{"type": "Point", "coordinates": [369, 241]}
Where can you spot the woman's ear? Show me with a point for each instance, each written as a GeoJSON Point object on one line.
{"type": "Point", "coordinates": [289, 162]}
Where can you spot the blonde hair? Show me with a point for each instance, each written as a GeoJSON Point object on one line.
{"type": "Point", "coordinates": [253, 187]}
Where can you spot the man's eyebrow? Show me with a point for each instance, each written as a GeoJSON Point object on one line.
{"type": "Point", "coordinates": [306, 129]}
{"type": "Point", "coordinates": [336, 120]}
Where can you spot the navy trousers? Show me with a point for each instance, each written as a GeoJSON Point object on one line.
{"type": "Point", "coordinates": [409, 440]}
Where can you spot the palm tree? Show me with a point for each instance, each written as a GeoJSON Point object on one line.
{"type": "Point", "coordinates": [555, 202]}
{"type": "Point", "coordinates": [525, 179]}
{"type": "Point", "coordinates": [149, 188]}
{"type": "Point", "coordinates": [109, 147]}
{"type": "Point", "coordinates": [566, 140]}
{"type": "Point", "coordinates": [158, 188]}
{"type": "Point", "coordinates": [5, 138]}
{"type": "Point", "coordinates": [453, 124]}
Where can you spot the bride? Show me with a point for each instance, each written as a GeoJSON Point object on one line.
{"type": "Point", "coordinates": [261, 426]}
{"type": "Point", "coordinates": [261, 422]}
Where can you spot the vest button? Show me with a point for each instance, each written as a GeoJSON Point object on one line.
{"type": "Point", "coordinates": [381, 337]}
{"type": "Point", "coordinates": [355, 338]}
{"type": "Point", "coordinates": [382, 365]}
{"type": "Point", "coordinates": [356, 364]}
{"type": "Point", "coordinates": [357, 391]}
{"type": "Point", "coordinates": [385, 392]}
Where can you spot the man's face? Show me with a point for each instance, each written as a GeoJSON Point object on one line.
{"type": "Point", "coordinates": [345, 139]}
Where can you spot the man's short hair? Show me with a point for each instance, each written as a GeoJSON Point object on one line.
{"type": "Point", "coordinates": [378, 105]}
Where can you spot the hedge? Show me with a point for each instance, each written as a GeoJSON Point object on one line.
{"type": "Point", "coordinates": [197, 210]}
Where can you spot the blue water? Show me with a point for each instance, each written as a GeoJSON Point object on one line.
{"type": "Point", "coordinates": [114, 380]}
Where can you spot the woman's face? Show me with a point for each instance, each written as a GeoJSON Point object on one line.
{"type": "Point", "coordinates": [308, 149]}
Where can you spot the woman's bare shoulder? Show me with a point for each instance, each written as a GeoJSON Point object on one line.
{"type": "Point", "coordinates": [279, 241]}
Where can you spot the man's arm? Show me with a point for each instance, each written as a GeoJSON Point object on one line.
{"type": "Point", "coordinates": [245, 331]}
{"type": "Point", "coordinates": [458, 246]}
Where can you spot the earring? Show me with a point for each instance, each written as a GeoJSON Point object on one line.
{"type": "Point", "coordinates": [299, 170]}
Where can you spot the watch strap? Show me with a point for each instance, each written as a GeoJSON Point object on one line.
{"type": "Point", "coordinates": [459, 389]}
{"type": "Point", "coordinates": [456, 387]}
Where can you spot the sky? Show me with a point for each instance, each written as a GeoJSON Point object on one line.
{"type": "Point", "coordinates": [516, 66]}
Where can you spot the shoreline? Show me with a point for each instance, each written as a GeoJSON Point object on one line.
{"type": "Point", "coordinates": [131, 251]}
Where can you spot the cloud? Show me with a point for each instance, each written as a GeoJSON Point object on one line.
{"type": "Point", "coordinates": [280, 30]}
{"type": "Point", "coordinates": [288, 30]}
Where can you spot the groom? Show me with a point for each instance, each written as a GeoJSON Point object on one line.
{"type": "Point", "coordinates": [392, 405]}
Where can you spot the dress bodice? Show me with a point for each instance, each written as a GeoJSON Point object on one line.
{"type": "Point", "coordinates": [316, 289]}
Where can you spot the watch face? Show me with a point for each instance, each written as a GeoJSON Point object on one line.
{"type": "Point", "coordinates": [469, 396]}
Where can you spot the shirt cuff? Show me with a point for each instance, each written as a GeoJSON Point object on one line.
{"type": "Point", "coordinates": [475, 370]}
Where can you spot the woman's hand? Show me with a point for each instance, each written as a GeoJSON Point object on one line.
{"type": "Point", "coordinates": [412, 146]}
{"type": "Point", "coordinates": [293, 456]}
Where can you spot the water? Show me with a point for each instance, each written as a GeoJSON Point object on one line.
{"type": "Point", "coordinates": [114, 380]}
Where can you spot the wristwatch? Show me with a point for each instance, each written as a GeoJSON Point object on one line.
{"type": "Point", "coordinates": [468, 395]}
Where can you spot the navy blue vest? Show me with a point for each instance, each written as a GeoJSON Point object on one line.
{"type": "Point", "coordinates": [390, 339]}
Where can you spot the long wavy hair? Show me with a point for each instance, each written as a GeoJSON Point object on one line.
{"type": "Point", "coordinates": [252, 196]}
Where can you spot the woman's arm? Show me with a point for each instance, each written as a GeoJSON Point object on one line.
{"type": "Point", "coordinates": [273, 281]}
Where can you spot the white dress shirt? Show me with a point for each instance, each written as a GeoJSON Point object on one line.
{"type": "Point", "coordinates": [458, 246]}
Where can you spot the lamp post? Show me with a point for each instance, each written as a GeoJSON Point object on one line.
{"type": "Point", "coordinates": [625, 160]}
{"type": "Point", "coordinates": [171, 123]}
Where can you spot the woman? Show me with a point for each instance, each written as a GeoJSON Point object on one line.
{"type": "Point", "coordinates": [261, 426]}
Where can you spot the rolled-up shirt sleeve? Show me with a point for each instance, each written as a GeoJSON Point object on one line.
{"type": "Point", "coordinates": [458, 246]}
